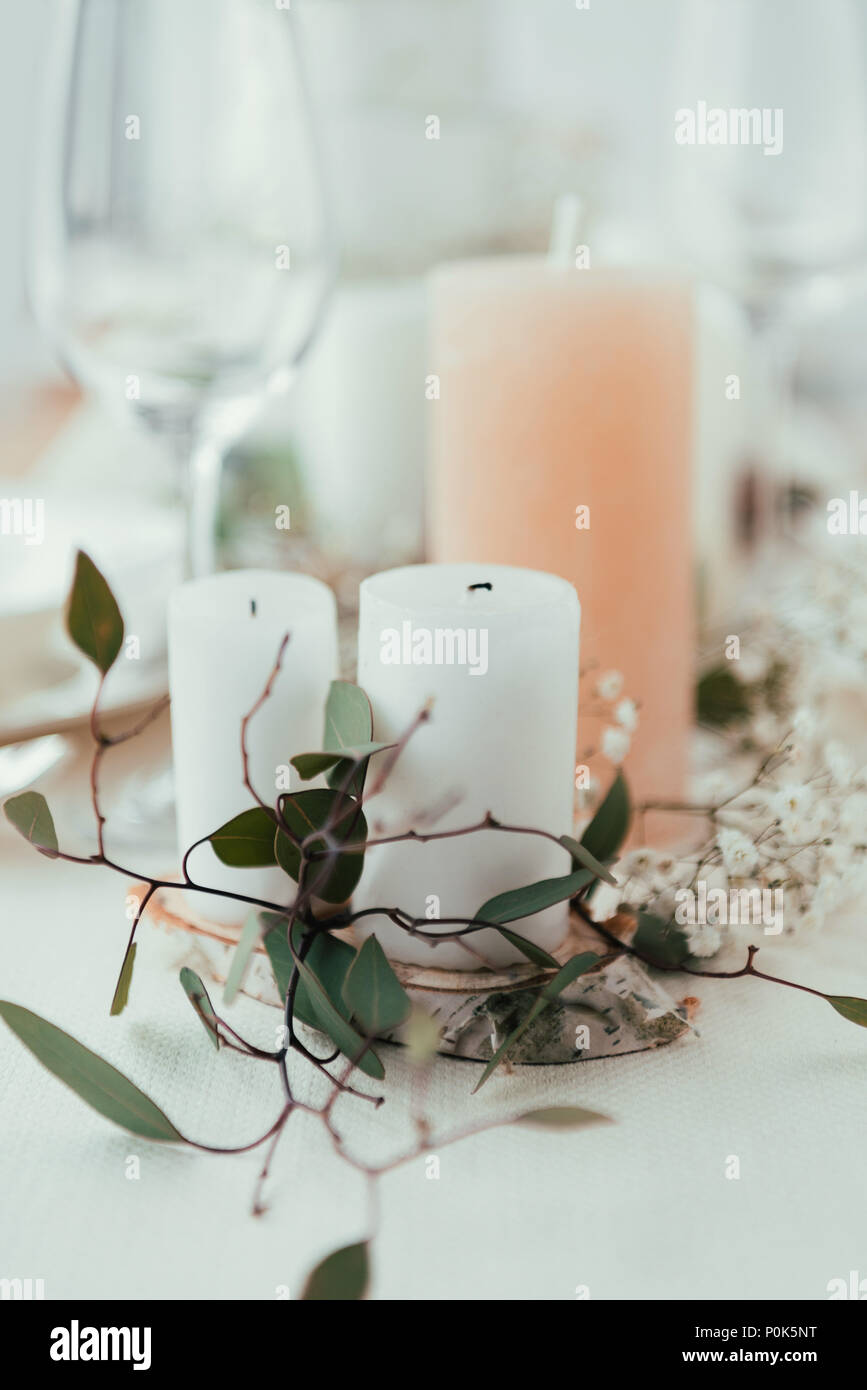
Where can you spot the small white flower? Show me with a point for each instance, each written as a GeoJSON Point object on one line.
{"type": "Point", "coordinates": [795, 829]}
{"type": "Point", "coordinates": [704, 939]}
{"type": "Point", "coordinates": [638, 863]}
{"type": "Point", "coordinates": [626, 715]}
{"type": "Point", "coordinates": [853, 817]}
{"type": "Point", "coordinates": [615, 744]}
{"type": "Point", "coordinates": [752, 664]}
{"type": "Point", "coordinates": [793, 799]}
{"type": "Point", "coordinates": [839, 763]}
{"type": "Point", "coordinates": [739, 854]}
{"type": "Point", "coordinates": [609, 685]}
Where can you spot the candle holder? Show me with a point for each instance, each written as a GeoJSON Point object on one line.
{"type": "Point", "coordinates": [614, 1010]}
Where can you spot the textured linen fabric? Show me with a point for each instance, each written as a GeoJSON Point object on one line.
{"type": "Point", "coordinates": [640, 1208]}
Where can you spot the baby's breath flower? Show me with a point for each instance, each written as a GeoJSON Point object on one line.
{"type": "Point", "coordinates": [704, 939]}
{"type": "Point", "coordinates": [839, 763]}
{"type": "Point", "coordinates": [609, 685]}
{"type": "Point", "coordinates": [615, 744]}
{"type": "Point", "coordinates": [853, 817]}
{"type": "Point", "coordinates": [739, 854]}
{"type": "Point", "coordinates": [793, 799]}
{"type": "Point", "coordinates": [638, 863]}
{"type": "Point", "coordinates": [626, 715]}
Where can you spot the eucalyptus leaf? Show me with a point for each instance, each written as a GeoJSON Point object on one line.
{"type": "Point", "coordinates": [582, 856]}
{"type": "Point", "coordinates": [309, 765]}
{"type": "Point", "coordinates": [529, 949]}
{"type": "Point", "coordinates": [524, 902]}
{"type": "Point", "coordinates": [124, 980]}
{"type": "Point", "coordinates": [98, 1083]}
{"type": "Point", "coordinates": [247, 840]}
{"type": "Point", "coordinates": [659, 940]}
{"type": "Point", "coordinates": [332, 1022]}
{"type": "Point", "coordinates": [247, 943]}
{"type": "Point", "coordinates": [721, 699]}
{"type": "Point", "coordinates": [422, 1036]}
{"type": "Point", "coordinates": [93, 618]}
{"type": "Point", "coordinates": [607, 830]}
{"type": "Point", "coordinates": [850, 1006]}
{"type": "Point", "coordinates": [333, 879]}
{"type": "Point", "coordinates": [342, 1277]}
{"type": "Point", "coordinates": [329, 957]}
{"type": "Point", "coordinates": [30, 815]}
{"type": "Point", "coordinates": [562, 1117]}
{"type": "Point", "coordinates": [200, 1000]}
{"type": "Point", "coordinates": [376, 999]}
{"type": "Point", "coordinates": [348, 725]}
{"type": "Point", "coordinates": [510, 1042]}
{"type": "Point", "coordinates": [348, 717]}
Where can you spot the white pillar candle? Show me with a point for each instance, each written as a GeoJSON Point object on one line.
{"type": "Point", "coordinates": [501, 666]}
{"type": "Point", "coordinates": [224, 635]}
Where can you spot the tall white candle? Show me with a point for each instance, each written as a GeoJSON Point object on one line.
{"type": "Point", "coordinates": [224, 635]}
{"type": "Point", "coordinates": [501, 666]}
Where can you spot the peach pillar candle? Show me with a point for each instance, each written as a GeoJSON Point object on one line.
{"type": "Point", "coordinates": [563, 389]}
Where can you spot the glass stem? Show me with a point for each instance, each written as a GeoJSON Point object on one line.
{"type": "Point", "coordinates": [201, 464]}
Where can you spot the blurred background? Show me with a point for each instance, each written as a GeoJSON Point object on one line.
{"type": "Point", "coordinates": [427, 132]}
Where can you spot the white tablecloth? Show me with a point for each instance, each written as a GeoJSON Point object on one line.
{"type": "Point", "coordinates": [641, 1208]}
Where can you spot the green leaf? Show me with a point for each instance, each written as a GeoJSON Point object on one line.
{"type": "Point", "coordinates": [247, 840]}
{"type": "Point", "coordinates": [377, 1000]}
{"type": "Point", "coordinates": [578, 965]}
{"type": "Point", "coordinates": [660, 941]}
{"type": "Point", "coordinates": [93, 618]}
{"type": "Point", "coordinates": [529, 949]}
{"type": "Point", "coordinates": [91, 1077]}
{"type": "Point", "coordinates": [721, 699]}
{"type": "Point", "coordinates": [524, 902]}
{"type": "Point", "coordinates": [333, 879]}
{"type": "Point", "coordinates": [607, 830]}
{"type": "Point", "coordinates": [30, 815]}
{"type": "Point", "coordinates": [342, 1277]}
{"type": "Point", "coordinates": [309, 765]}
{"type": "Point", "coordinates": [562, 1117]}
{"type": "Point", "coordinates": [332, 1022]}
{"type": "Point", "coordinates": [348, 725]}
{"type": "Point", "coordinates": [124, 980]}
{"type": "Point", "coordinates": [247, 942]}
{"type": "Point", "coordinates": [348, 717]}
{"type": "Point", "coordinates": [582, 856]}
{"type": "Point", "coordinates": [422, 1036]}
{"type": "Point", "coordinates": [329, 957]}
{"type": "Point", "coordinates": [198, 997]}
{"type": "Point", "coordinates": [850, 1006]}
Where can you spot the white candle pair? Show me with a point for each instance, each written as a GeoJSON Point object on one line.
{"type": "Point", "coordinates": [492, 649]}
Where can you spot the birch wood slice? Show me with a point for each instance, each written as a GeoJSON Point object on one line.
{"type": "Point", "coordinates": [616, 1009]}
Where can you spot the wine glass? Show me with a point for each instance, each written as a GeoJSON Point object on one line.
{"type": "Point", "coordinates": [181, 251]}
{"type": "Point", "coordinates": [780, 219]}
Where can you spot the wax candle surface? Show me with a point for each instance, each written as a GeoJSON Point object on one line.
{"type": "Point", "coordinates": [364, 461]}
{"type": "Point", "coordinates": [501, 665]}
{"type": "Point", "coordinates": [224, 635]}
{"type": "Point", "coordinates": [562, 389]}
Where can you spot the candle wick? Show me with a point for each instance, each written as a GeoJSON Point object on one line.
{"type": "Point", "coordinates": [485, 585]}
{"type": "Point", "coordinates": [253, 607]}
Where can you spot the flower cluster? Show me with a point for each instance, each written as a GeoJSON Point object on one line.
{"type": "Point", "coordinates": [782, 805]}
